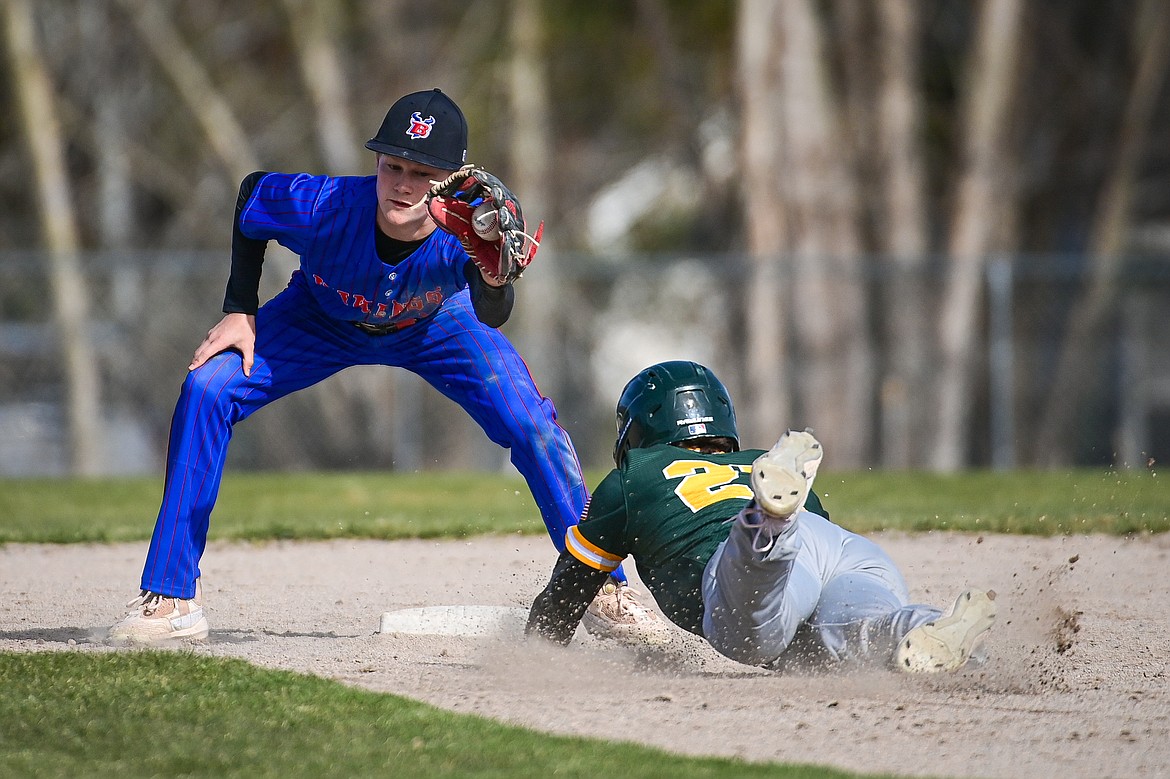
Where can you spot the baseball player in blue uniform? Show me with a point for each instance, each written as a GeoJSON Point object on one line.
{"type": "Point", "coordinates": [736, 547]}
{"type": "Point", "coordinates": [378, 284]}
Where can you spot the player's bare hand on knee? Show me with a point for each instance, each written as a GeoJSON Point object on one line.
{"type": "Point", "coordinates": [234, 331]}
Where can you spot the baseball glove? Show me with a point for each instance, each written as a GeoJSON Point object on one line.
{"type": "Point", "coordinates": [476, 207]}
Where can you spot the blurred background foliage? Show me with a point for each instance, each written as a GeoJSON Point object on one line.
{"type": "Point", "coordinates": [812, 196]}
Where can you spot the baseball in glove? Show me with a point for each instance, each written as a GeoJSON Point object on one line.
{"type": "Point", "coordinates": [476, 207]}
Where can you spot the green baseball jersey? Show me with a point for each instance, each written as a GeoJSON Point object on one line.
{"type": "Point", "coordinates": [669, 508]}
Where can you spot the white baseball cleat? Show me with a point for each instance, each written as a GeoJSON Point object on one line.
{"type": "Point", "coordinates": [155, 619]}
{"type": "Point", "coordinates": [947, 643]}
{"type": "Point", "coordinates": [616, 614]}
{"type": "Point", "coordinates": [782, 476]}
{"type": "Point", "coordinates": [781, 480]}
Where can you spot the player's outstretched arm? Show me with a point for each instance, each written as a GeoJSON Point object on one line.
{"type": "Point", "coordinates": [558, 609]}
{"type": "Point", "coordinates": [234, 331]}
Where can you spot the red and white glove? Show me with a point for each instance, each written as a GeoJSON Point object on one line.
{"type": "Point", "coordinates": [476, 207]}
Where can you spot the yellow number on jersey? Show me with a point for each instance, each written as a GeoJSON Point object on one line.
{"type": "Point", "coordinates": [704, 483]}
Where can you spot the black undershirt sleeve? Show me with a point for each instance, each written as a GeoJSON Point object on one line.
{"type": "Point", "coordinates": [558, 609]}
{"type": "Point", "coordinates": [243, 287]}
{"type": "Point", "coordinates": [493, 305]}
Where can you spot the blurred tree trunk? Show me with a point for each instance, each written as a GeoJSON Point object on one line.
{"type": "Point", "coordinates": [540, 293]}
{"type": "Point", "coordinates": [981, 199]}
{"type": "Point", "coordinates": [529, 151]}
{"type": "Point", "coordinates": [113, 88]}
{"type": "Point", "coordinates": [653, 19]}
{"type": "Point", "coordinates": [828, 308]}
{"type": "Point", "coordinates": [209, 108]}
{"type": "Point", "coordinates": [107, 80]}
{"type": "Point", "coordinates": [34, 94]}
{"type": "Point", "coordinates": [1080, 360]}
{"type": "Point", "coordinates": [902, 233]}
{"type": "Point", "coordinates": [317, 33]}
{"type": "Point", "coordinates": [767, 374]}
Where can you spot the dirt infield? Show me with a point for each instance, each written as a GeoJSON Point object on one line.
{"type": "Point", "coordinates": [1075, 685]}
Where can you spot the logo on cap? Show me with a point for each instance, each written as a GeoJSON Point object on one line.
{"type": "Point", "coordinates": [419, 127]}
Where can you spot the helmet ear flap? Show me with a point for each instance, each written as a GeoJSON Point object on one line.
{"type": "Point", "coordinates": [635, 428]}
{"type": "Point", "coordinates": [623, 442]}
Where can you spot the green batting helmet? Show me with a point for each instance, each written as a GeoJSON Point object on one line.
{"type": "Point", "coordinates": [673, 402]}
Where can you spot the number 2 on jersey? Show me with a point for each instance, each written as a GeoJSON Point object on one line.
{"type": "Point", "coordinates": [705, 483]}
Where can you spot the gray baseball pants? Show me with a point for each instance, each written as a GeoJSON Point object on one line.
{"type": "Point", "coordinates": [820, 596]}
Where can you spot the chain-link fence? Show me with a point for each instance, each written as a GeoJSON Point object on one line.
{"type": "Point", "coordinates": [584, 334]}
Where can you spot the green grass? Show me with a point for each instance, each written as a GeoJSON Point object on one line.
{"type": "Point", "coordinates": [1022, 502]}
{"type": "Point", "coordinates": [429, 505]}
{"type": "Point", "coordinates": [275, 505]}
{"type": "Point", "coordinates": [138, 714]}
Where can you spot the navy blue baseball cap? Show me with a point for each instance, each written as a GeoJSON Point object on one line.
{"type": "Point", "coordinates": [424, 127]}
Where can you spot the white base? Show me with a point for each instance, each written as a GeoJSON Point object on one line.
{"type": "Point", "coordinates": [456, 621]}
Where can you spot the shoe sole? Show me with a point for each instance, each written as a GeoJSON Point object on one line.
{"type": "Point", "coordinates": [645, 631]}
{"type": "Point", "coordinates": [779, 478]}
{"type": "Point", "coordinates": [631, 635]}
{"type": "Point", "coordinates": [197, 632]}
{"type": "Point", "coordinates": [946, 644]}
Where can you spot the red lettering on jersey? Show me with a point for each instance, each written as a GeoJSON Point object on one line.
{"type": "Point", "coordinates": [415, 304]}
{"type": "Point", "coordinates": [320, 282]}
{"type": "Point", "coordinates": [435, 296]}
{"type": "Point", "coordinates": [380, 311]}
{"type": "Point", "coordinates": [398, 308]}
{"type": "Point", "coordinates": [344, 296]}
{"type": "Point", "coordinates": [359, 301]}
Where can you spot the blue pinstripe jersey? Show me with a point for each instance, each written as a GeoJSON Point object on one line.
{"type": "Point", "coordinates": [330, 222]}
